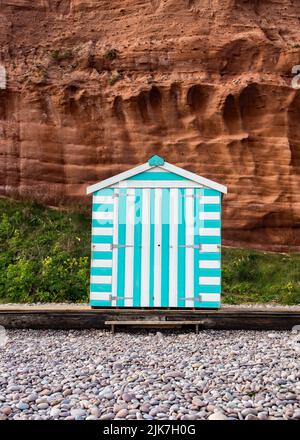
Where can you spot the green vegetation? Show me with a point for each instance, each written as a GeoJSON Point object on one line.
{"type": "Point", "coordinates": [61, 54]}
{"type": "Point", "coordinates": [114, 78]}
{"type": "Point", "coordinates": [260, 277]}
{"type": "Point", "coordinates": [44, 256]}
{"type": "Point", "coordinates": [110, 54]}
{"type": "Point", "coordinates": [44, 253]}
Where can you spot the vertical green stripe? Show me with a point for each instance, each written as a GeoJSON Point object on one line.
{"type": "Point", "coordinates": [221, 196]}
{"type": "Point", "coordinates": [121, 250]}
{"type": "Point", "coordinates": [151, 262]}
{"type": "Point", "coordinates": [196, 242]}
{"type": "Point", "coordinates": [181, 250]}
{"type": "Point", "coordinates": [201, 256]}
{"type": "Point", "coordinates": [137, 263]}
{"type": "Point", "coordinates": [165, 247]}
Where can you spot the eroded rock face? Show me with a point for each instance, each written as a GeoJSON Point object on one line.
{"type": "Point", "coordinates": [96, 87]}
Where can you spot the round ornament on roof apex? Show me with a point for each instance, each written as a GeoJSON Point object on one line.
{"type": "Point", "coordinates": [156, 161]}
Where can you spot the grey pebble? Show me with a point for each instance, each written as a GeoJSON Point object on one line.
{"type": "Point", "coordinates": [22, 406]}
{"type": "Point", "coordinates": [175, 375]}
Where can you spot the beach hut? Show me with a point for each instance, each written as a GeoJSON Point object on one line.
{"type": "Point", "coordinates": [156, 239]}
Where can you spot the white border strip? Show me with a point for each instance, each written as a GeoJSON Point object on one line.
{"type": "Point", "coordinates": [209, 264]}
{"type": "Point", "coordinates": [101, 247]}
{"type": "Point", "coordinates": [209, 215]}
{"type": "Point", "coordinates": [212, 200]}
{"type": "Point", "coordinates": [210, 281]}
{"type": "Point", "coordinates": [102, 215]}
{"type": "Point", "coordinates": [101, 263]}
{"type": "Point", "coordinates": [210, 297]}
{"type": "Point", "coordinates": [210, 248]}
{"type": "Point", "coordinates": [103, 199]}
{"type": "Point", "coordinates": [102, 231]}
{"type": "Point", "coordinates": [100, 296]}
{"type": "Point", "coordinates": [101, 279]}
{"type": "Point", "coordinates": [210, 232]}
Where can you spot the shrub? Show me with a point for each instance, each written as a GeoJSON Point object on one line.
{"type": "Point", "coordinates": [114, 78]}
{"type": "Point", "coordinates": [110, 54]}
{"type": "Point", "coordinates": [61, 54]}
{"type": "Point", "coordinates": [44, 254]}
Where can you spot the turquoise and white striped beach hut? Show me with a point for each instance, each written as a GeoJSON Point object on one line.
{"type": "Point", "coordinates": [156, 239]}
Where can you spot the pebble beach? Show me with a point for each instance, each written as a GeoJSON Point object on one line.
{"type": "Point", "coordinates": [149, 375]}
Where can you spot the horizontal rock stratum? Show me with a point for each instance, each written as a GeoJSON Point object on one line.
{"type": "Point", "coordinates": [95, 87]}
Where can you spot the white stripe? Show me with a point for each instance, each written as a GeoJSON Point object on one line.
{"type": "Point", "coordinates": [209, 199]}
{"type": "Point", "coordinates": [103, 215]}
{"type": "Point", "coordinates": [173, 261]}
{"type": "Point", "coordinates": [115, 250]}
{"type": "Point", "coordinates": [101, 247]}
{"type": "Point", "coordinates": [189, 252]}
{"type": "Point", "coordinates": [101, 279]}
{"type": "Point", "coordinates": [130, 217]}
{"type": "Point", "coordinates": [102, 231]}
{"type": "Point", "coordinates": [209, 215]}
{"type": "Point", "coordinates": [104, 296]}
{"type": "Point", "coordinates": [157, 247]}
{"type": "Point", "coordinates": [103, 199]}
{"type": "Point", "coordinates": [209, 232]}
{"type": "Point", "coordinates": [210, 281]}
{"type": "Point", "coordinates": [101, 263]}
{"type": "Point", "coordinates": [210, 297]}
{"type": "Point", "coordinates": [157, 170]}
{"type": "Point", "coordinates": [209, 264]}
{"type": "Point", "coordinates": [210, 248]}
{"type": "Point", "coordinates": [157, 184]}
{"type": "Point", "coordinates": [145, 258]}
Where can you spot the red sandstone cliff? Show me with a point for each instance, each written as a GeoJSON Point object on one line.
{"type": "Point", "coordinates": [97, 86]}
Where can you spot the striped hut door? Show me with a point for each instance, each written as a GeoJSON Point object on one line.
{"type": "Point", "coordinates": [131, 248]}
{"type": "Point", "coordinates": [156, 247]}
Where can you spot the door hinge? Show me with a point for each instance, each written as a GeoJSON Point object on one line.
{"type": "Point", "coordinates": [194, 196]}
{"type": "Point", "coordinates": [191, 298]}
{"type": "Point", "coordinates": [120, 297]}
{"type": "Point", "coordinates": [194, 246]}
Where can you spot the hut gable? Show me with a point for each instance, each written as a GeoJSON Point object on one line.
{"type": "Point", "coordinates": [153, 173]}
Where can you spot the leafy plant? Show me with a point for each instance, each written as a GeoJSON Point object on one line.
{"type": "Point", "coordinates": [111, 54]}
{"type": "Point", "coordinates": [44, 253]}
{"type": "Point", "coordinates": [61, 54]}
{"type": "Point", "coordinates": [114, 78]}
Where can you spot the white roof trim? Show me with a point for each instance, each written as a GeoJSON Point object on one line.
{"type": "Point", "coordinates": [117, 178]}
{"type": "Point", "coordinates": [192, 176]}
{"type": "Point", "coordinates": [167, 166]}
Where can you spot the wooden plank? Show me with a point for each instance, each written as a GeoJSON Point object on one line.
{"type": "Point", "coordinates": [152, 322]}
{"type": "Point", "coordinates": [86, 318]}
